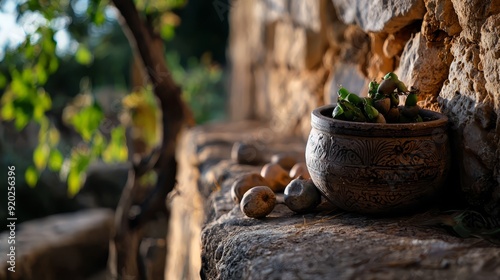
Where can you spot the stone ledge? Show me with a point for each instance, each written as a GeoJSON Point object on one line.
{"type": "Point", "coordinates": [327, 244]}
{"type": "Point", "coordinates": [63, 246]}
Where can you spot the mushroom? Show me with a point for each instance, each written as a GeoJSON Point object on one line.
{"type": "Point", "coordinates": [300, 169]}
{"type": "Point", "coordinates": [244, 183]}
{"type": "Point", "coordinates": [258, 202]}
{"type": "Point", "coordinates": [301, 195]}
{"type": "Point", "coordinates": [276, 176]}
{"type": "Point", "coordinates": [246, 153]}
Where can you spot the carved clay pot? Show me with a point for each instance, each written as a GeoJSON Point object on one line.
{"type": "Point", "coordinates": [377, 168]}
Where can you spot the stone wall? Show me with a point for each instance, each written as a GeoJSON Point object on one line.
{"type": "Point", "coordinates": [289, 56]}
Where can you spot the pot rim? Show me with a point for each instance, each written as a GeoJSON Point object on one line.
{"type": "Point", "coordinates": [321, 119]}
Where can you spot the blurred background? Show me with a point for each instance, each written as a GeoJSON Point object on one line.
{"type": "Point", "coordinates": [72, 94]}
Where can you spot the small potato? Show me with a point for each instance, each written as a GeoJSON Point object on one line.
{"type": "Point", "coordinates": [276, 176]}
{"type": "Point", "coordinates": [244, 183]}
{"type": "Point", "coordinates": [284, 160]}
{"type": "Point", "coordinates": [246, 153]}
{"type": "Point", "coordinates": [300, 169]}
{"type": "Point", "coordinates": [258, 202]}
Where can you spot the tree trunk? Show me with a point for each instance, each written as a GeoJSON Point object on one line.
{"type": "Point", "coordinates": [124, 244]}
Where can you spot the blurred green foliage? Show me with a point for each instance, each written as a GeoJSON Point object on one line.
{"type": "Point", "coordinates": [202, 85]}
{"type": "Point", "coordinates": [37, 81]}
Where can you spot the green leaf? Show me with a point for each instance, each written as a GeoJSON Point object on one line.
{"type": "Point", "coordinates": [21, 120]}
{"type": "Point", "coordinates": [29, 51]}
{"type": "Point", "coordinates": [167, 32]}
{"type": "Point", "coordinates": [87, 121]}
{"type": "Point", "coordinates": [80, 159]}
{"type": "Point", "coordinates": [41, 156]}
{"type": "Point", "coordinates": [117, 150]}
{"type": "Point", "coordinates": [18, 87]}
{"type": "Point", "coordinates": [44, 100]}
{"type": "Point", "coordinates": [99, 18]}
{"type": "Point", "coordinates": [338, 112]}
{"type": "Point", "coordinates": [55, 160]}
{"type": "Point", "coordinates": [31, 176]}
{"type": "Point", "coordinates": [27, 76]}
{"type": "Point", "coordinates": [41, 74]}
{"type": "Point", "coordinates": [7, 112]}
{"type": "Point", "coordinates": [53, 64]}
{"type": "Point", "coordinates": [343, 93]}
{"type": "Point", "coordinates": [74, 182]}
{"type": "Point", "coordinates": [83, 55]}
{"type": "Point", "coordinates": [95, 11]}
{"type": "Point", "coordinates": [44, 127]}
{"type": "Point", "coordinates": [98, 145]}
{"type": "Point", "coordinates": [54, 136]}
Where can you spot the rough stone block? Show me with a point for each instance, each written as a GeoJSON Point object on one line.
{"type": "Point", "coordinates": [490, 58]}
{"type": "Point", "coordinates": [472, 14]}
{"type": "Point", "coordinates": [294, 95]}
{"type": "Point", "coordinates": [425, 67]}
{"type": "Point", "coordinates": [348, 76]}
{"type": "Point", "coordinates": [284, 34]}
{"type": "Point", "coordinates": [380, 15]}
{"type": "Point", "coordinates": [441, 16]}
{"type": "Point", "coordinates": [306, 14]}
{"type": "Point", "coordinates": [467, 103]}
{"type": "Point", "coordinates": [378, 63]}
{"type": "Point", "coordinates": [63, 246]}
{"type": "Point", "coordinates": [297, 47]}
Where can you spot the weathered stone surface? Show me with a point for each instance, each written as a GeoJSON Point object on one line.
{"type": "Point", "coordinates": [463, 99]}
{"type": "Point", "coordinates": [321, 246]}
{"type": "Point", "coordinates": [490, 55]}
{"type": "Point", "coordinates": [291, 41]}
{"type": "Point", "coordinates": [346, 59]}
{"type": "Point", "coordinates": [325, 244]}
{"type": "Point", "coordinates": [63, 246]}
{"type": "Point", "coordinates": [472, 14]}
{"type": "Point", "coordinates": [202, 148]}
{"type": "Point", "coordinates": [186, 218]}
{"type": "Point", "coordinates": [298, 48]}
{"type": "Point", "coordinates": [348, 76]}
{"type": "Point", "coordinates": [295, 46]}
{"type": "Point", "coordinates": [245, 50]}
{"type": "Point", "coordinates": [379, 64]}
{"type": "Point", "coordinates": [293, 97]}
{"type": "Point", "coordinates": [440, 16]}
{"type": "Point", "coordinates": [381, 15]}
{"type": "Point", "coordinates": [489, 109]}
{"type": "Point", "coordinates": [425, 67]}
{"type": "Point", "coordinates": [306, 13]}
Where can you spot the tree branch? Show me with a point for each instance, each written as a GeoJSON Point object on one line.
{"type": "Point", "coordinates": [127, 230]}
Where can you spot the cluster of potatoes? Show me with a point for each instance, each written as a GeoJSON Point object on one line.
{"type": "Point", "coordinates": [256, 193]}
